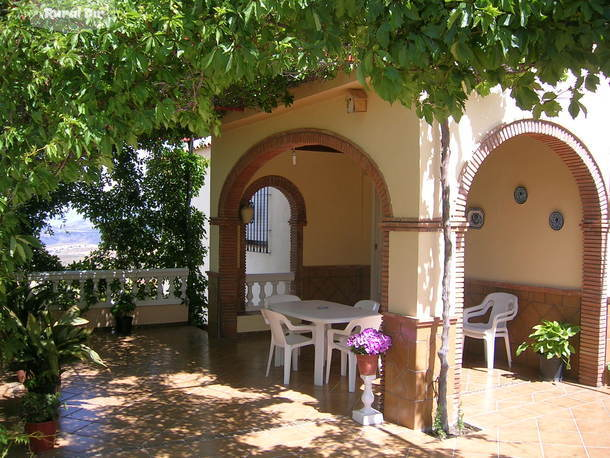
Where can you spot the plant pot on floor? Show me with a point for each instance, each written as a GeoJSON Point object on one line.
{"type": "Point", "coordinates": [45, 434]}
{"type": "Point", "coordinates": [551, 370]}
{"type": "Point", "coordinates": [124, 325]}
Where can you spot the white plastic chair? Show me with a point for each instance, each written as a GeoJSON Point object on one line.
{"type": "Point", "coordinates": [278, 299]}
{"type": "Point", "coordinates": [336, 340]}
{"type": "Point", "coordinates": [367, 304]}
{"type": "Point", "coordinates": [504, 307]}
{"type": "Point", "coordinates": [288, 342]}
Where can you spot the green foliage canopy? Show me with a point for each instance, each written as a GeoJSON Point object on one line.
{"type": "Point", "coordinates": [69, 97]}
{"type": "Point", "coordinates": [432, 55]}
{"type": "Point", "coordinates": [139, 205]}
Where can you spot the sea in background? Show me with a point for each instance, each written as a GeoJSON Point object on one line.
{"type": "Point", "coordinates": [73, 237]}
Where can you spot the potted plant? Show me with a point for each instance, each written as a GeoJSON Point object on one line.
{"type": "Point", "coordinates": [10, 436]}
{"type": "Point", "coordinates": [41, 411]}
{"type": "Point", "coordinates": [368, 345]}
{"type": "Point", "coordinates": [122, 309]}
{"type": "Point", "coordinates": [43, 345]}
{"type": "Point", "coordinates": [551, 340]}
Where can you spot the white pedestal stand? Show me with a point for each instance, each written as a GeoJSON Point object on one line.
{"type": "Point", "coordinates": [367, 415]}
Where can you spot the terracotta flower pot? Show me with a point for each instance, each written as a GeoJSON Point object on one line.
{"type": "Point", "coordinates": [46, 439]}
{"type": "Point", "coordinates": [367, 364]}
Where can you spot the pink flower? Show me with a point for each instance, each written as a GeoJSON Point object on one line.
{"type": "Point", "coordinates": [369, 342]}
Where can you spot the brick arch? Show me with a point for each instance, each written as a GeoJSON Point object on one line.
{"type": "Point", "coordinates": [230, 288]}
{"type": "Point", "coordinates": [270, 147]}
{"type": "Point", "coordinates": [592, 190]}
{"type": "Point", "coordinates": [298, 219]}
{"type": "Point", "coordinates": [287, 187]}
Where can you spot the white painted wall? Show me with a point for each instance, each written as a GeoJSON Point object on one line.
{"type": "Point", "coordinates": [202, 200]}
{"type": "Point", "coordinates": [278, 258]}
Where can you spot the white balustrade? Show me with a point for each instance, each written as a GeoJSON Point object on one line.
{"type": "Point", "coordinates": [260, 286]}
{"type": "Point", "coordinates": [149, 286]}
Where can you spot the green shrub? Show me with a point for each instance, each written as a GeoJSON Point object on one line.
{"type": "Point", "coordinates": [551, 339]}
{"type": "Point", "coordinates": [42, 345]}
{"type": "Point", "coordinates": [124, 305]}
{"type": "Point", "coordinates": [40, 407]}
{"type": "Point", "coordinates": [12, 436]}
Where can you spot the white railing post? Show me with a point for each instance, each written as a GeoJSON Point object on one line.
{"type": "Point", "coordinates": [128, 280]}
{"type": "Point", "coordinates": [249, 294]}
{"type": "Point", "coordinates": [285, 279]}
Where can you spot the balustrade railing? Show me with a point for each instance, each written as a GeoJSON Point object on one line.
{"type": "Point", "coordinates": [98, 288]}
{"type": "Point", "coordinates": [260, 286]}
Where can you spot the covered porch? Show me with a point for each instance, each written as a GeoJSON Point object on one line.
{"type": "Point", "coordinates": [172, 392]}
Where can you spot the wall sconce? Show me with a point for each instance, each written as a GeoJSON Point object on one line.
{"type": "Point", "coordinates": [246, 213]}
{"type": "Point", "coordinates": [356, 101]}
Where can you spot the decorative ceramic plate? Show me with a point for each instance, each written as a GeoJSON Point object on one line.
{"type": "Point", "coordinates": [476, 218]}
{"type": "Point", "coordinates": [556, 220]}
{"type": "Point", "coordinates": [520, 194]}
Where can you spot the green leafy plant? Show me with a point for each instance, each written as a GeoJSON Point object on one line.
{"type": "Point", "coordinates": [437, 427]}
{"type": "Point", "coordinates": [551, 339]}
{"type": "Point", "coordinates": [460, 425]}
{"type": "Point", "coordinates": [44, 345]}
{"type": "Point", "coordinates": [124, 305]}
{"type": "Point", "coordinates": [40, 407]}
{"type": "Point", "coordinates": [142, 208]}
{"type": "Point", "coordinates": [10, 436]}
{"type": "Point", "coordinates": [24, 299]}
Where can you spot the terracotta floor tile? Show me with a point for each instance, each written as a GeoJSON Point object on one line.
{"type": "Point", "coordinates": [562, 451]}
{"type": "Point", "coordinates": [598, 452]}
{"type": "Point", "coordinates": [557, 436]}
{"type": "Point", "coordinates": [478, 443]}
{"type": "Point", "coordinates": [598, 438]}
{"type": "Point", "coordinates": [561, 402]}
{"type": "Point", "coordinates": [591, 425]}
{"type": "Point", "coordinates": [592, 411]}
{"type": "Point", "coordinates": [171, 392]}
{"type": "Point", "coordinates": [519, 450]}
{"type": "Point", "coordinates": [423, 453]}
{"type": "Point", "coordinates": [195, 448]}
{"type": "Point", "coordinates": [552, 423]}
{"type": "Point", "coordinates": [71, 425]}
{"type": "Point", "coordinates": [69, 444]}
{"type": "Point", "coordinates": [524, 431]}
{"type": "Point", "coordinates": [546, 395]}
{"type": "Point", "coordinates": [588, 395]}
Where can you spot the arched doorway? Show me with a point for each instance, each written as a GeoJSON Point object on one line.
{"type": "Point", "coordinates": [232, 197]}
{"type": "Point", "coordinates": [298, 219]}
{"type": "Point", "coordinates": [594, 225]}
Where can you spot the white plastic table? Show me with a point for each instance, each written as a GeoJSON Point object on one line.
{"type": "Point", "coordinates": [320, 313]}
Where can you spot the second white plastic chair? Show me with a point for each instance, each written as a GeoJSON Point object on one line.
{"type": "Point", "coordinates": [504, 307]}
{"type": "Point", "coordinates": [336, 340]}
{"type": "Point", "coordinates": [367, 304]}
{"type": "Point", "coordinates": [288, 342]}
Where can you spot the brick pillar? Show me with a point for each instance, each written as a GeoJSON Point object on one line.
{"type": "Point", "coordinates": [411, 368]}
{"type": "Point", "coordinates": [229, 284]}
{"type": "Point", "coordinates": [594, 306]}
